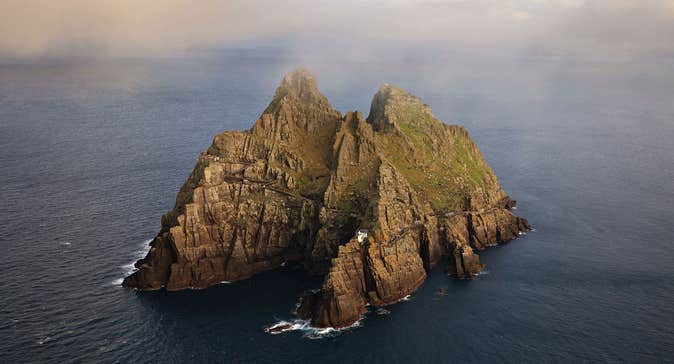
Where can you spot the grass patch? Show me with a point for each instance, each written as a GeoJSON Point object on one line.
{"type": "Point", "coordinates": [441, 163]}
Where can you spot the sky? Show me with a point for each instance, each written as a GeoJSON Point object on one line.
{"type": "Point", "coordinates": [34, 29]}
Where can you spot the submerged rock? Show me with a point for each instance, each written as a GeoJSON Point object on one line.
{"type": "Point", "coordinates": [373, 204]}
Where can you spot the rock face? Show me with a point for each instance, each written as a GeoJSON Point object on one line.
{"type": "Point", "coordinates": [303, 180]}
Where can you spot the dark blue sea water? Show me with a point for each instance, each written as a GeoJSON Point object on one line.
{"type": "Point", "coordinates": [92, 153]}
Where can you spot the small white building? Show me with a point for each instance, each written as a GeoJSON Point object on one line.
{"type": "Point", "coordinates": [361, 235]}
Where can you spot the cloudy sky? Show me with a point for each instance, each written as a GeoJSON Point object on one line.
{"type": "Point", "coordinates": [35, 29]}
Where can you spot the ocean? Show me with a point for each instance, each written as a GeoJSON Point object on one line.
{"type": "Point", "coordinates": [92, 153]}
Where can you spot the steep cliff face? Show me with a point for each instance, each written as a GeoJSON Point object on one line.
{"type": "Point", "coordinates": [299, 184]}
{"type": "Point", "coordinates": [253, 199]}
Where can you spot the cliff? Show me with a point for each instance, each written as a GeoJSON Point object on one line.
{"type": "Point", "coordinates": [302, 182]}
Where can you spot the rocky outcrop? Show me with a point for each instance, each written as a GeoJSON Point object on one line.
{"type": "Point", "coordinates": [304, 179]}
{"type": "Point", "coordinates": [253, 199]}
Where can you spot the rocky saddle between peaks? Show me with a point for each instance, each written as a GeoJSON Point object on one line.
{"type": "Point", "coordinates": [302, 182]}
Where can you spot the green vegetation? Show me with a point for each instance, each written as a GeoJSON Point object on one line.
{"type": "Point", "coordinates": [313, 187]}
{"type": "Point", "coordinates": [439, 162]}
{"type": "Point", "coordinates": [345, 205]}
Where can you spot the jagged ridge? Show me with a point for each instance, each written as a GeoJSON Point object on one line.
{"type": "Point", "coordinates": [300, 183]}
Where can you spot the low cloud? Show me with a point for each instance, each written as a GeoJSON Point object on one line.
{"type": "Point", "coordinates": [36, 29]}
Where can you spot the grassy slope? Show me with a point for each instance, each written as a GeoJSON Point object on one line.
{"type": "Point", "coordinates": [440, 162]}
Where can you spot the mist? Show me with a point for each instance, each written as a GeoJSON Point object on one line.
{"type": "Point", "coordinates": [33, 29]}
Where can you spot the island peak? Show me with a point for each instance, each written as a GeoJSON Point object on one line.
{"type": "Point", "coordinates": [392, 104]}
{"type": "Point", "coordinates": [370, 204]}
{"type": "Point", "coordinates": [300, 84]}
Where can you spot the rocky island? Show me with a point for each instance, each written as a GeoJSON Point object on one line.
{"type": "Point", "coordinates": [372, 204]}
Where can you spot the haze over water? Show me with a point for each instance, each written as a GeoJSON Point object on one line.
{"type": "Point", "coordinates": [92, 153]}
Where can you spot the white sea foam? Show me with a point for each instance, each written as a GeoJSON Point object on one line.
{"type": "Point", "coordinates": [310, 332]}
{"type": "Point", "coordinates": [382, 311]}
{"type": "Point", "coordinates": [322, 333]}
{"type": "Point", "coordinates": [285, 326]}
{"type": "Point", "coordinates": [44, 340]}
{"type": "Point", "coordinates": [128, 269]}
{"type": "Point", "coordinates": [406, 298]}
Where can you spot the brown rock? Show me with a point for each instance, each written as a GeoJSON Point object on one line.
{"type": "Point", "coordinates": [303, 180]}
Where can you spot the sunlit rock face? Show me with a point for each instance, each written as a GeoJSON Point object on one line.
{"type": "Point", "coordinates": [370, 203]}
